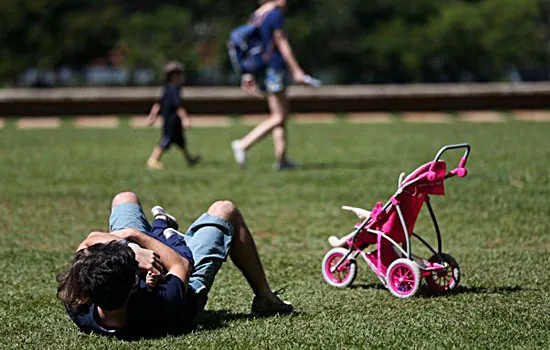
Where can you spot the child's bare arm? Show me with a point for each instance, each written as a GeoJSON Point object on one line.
{"type": "Point", "coordinates": [153, 113]}
{"type": "Point", "coordinates": [185, 122]}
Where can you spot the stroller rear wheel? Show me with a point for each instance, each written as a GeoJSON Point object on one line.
{"type": "Point", "coordinates": [403, 278]}
{"type": "Point", "coordinates": [344, 275]}
{"type": "Point", "coordinates": [446, 279]}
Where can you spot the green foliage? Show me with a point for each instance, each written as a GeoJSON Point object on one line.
{"type": "Point", "coordinates": [154, 38]}
{"type": "Point", "coordinates": [57, 184]}
{"type": "Point", "coordinates": [344, 41]}
{"type": "Point", "coordinates": [49, 34]}
{"type": "Point", "coordinates": [513, 32]}
{"type": "Point", "coordinates": [458, 38]}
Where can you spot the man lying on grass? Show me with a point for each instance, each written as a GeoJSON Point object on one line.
{"type": "Point", "coordinates": [112, 287]}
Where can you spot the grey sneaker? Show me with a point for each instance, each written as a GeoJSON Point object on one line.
{"type": "Point", "coordinates": [263, 306]}
{"type": "Point", "coordinates": [286, 165]}
{"type": "Point", "coordinates": [157, 210]}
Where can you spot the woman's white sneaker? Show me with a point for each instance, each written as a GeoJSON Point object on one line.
{"type": "Point", "coordinates": [239, 153]}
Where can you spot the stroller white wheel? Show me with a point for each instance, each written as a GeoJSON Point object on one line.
{"type": "Point", "coordinates": [447, 279]}
{"type": "Point", "coordinates": [346, 272]}
{"type": "Point", "coordinates": [403, 278]}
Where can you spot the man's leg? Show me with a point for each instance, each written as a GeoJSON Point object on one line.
{"type": "Point", "coordinates": [125, 197]}
{"type": "Point", "coordinates": [245, 256]}
{"type": "Point", "coordinates": [126, 212]}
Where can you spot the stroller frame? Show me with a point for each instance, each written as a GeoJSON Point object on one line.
{"type": "Point", "coordinates": [419, 268]}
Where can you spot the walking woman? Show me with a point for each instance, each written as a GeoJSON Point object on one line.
{"type": "Point", "coordinates": [271, 82]}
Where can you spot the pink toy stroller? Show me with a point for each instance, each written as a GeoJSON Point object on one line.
{"type": "Point", "coordinates": [390, 227]}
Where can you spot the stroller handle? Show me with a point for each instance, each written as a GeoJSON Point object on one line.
{"type": "Point", "coordinates": [461, 170]}
{"type": "Point", "coordinates": [450, 147]}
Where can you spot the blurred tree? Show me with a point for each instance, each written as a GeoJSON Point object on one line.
{"type": "Point", "coordinates": [344, 41]}
{"type": "Point", "coordinates": [515, 34]}
{"type": "Point", "coordinates": [52, 33]}
{"type": "Point", "coordinates": [153, 38]}
{"type": "Point", "coordinates": [455, 41]}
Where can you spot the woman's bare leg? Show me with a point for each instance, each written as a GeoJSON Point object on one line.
{"type": "Point", "coordinates": [280, 143]}
{"type": "Point", "coordinates": [278, 113]}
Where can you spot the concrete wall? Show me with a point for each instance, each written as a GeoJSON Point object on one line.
{"type": "Point", "coordinates": [230, 100]}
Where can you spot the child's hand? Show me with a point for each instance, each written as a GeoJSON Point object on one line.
{"type": "Point", "coordinates": [147, 259]}
{"type": "Point", "coordinates": [152, 279]}
{"type": "Point", "coordinates": [186, 123]}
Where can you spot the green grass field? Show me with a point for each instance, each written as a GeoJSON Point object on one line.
{"type": "Point", "coordinates": [56, 186]}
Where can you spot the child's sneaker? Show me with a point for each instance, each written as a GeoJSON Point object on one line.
{"type": "Point", "coordinates": [194, 160]}
{"type": "Point", "coordinates": [239, 153]}
{"type": "Point", "coordinates": [169, 232]}
{"type": "Point", "coordinates": [154, 164]}
{"type": "Point", "coordinates": [159, 211]}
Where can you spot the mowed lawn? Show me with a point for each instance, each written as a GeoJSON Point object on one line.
{"type": "Point", "coordinates": [56, 186]}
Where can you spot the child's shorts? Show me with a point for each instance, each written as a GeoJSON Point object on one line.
{"type": "Point", "coordinates": [172, 138]}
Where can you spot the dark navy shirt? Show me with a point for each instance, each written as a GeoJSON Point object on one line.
{"type": "Point", "coordinates": [273, 21]}
{"type": "Point", "coordinates": [169, 104]}
{"type": "Point", "coordinates": [151, 312]}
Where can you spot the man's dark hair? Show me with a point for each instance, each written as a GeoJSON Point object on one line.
{"type": "Point", "coordinates": [104, 274]}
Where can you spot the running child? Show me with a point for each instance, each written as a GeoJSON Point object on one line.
{"type": "Point", "coordinates": [174, 115]}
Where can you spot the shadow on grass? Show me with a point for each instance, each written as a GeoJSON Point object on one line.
{"type": "Point", "coordinates": [368, 286]}
{"type": "Point", "coordinates": [214, 319]}
{"type": "Point", "coordinates": [502, 290]}
{"type": "Point", "coordinates": [214, 164]}
{"type": "Point", "coordinates": [206, 321]}
{"type": "Point", "coordinates": [337, 165]}
{"type": "Point", "coordinates": [427, 293]}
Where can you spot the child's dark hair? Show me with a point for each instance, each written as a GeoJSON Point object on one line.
{"type": "Point", "coordinates": [172, 68]}
{"type": "Point", "coordinates": [104, 274]}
